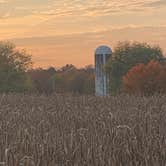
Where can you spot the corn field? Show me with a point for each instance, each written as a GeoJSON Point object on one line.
{"type": "Point", "coordinates": [68, 130]}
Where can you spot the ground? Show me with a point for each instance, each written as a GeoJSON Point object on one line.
{"type": "Point", "coordinates": [72, 130]}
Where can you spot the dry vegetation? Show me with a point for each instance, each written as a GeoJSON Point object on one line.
{"type": "Point", "coordinates": [82, 131]}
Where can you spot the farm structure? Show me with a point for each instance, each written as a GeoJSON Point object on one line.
{"type": "Point", "coordinates": [102, 55]}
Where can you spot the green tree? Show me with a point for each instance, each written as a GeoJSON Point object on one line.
{"type": "Point", "coordinates": [125, 56]}
{"type": "Point", "coordinates": [13, 67]}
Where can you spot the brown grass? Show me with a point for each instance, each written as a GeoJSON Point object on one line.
{"type": "Point", "coordinates": [66, 130]}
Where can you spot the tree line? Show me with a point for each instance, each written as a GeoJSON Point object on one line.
{"type": "Point", "coordinates": [127, 58]}
{"type": "Point", "coordinates": [133, 68]}
{"type": "Point", "coordinates": [67, 79]}
{"type": "Point", "coordinates": [17, 75]}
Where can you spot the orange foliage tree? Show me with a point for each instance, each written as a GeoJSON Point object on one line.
{"type": "Point", "coordinates": [146, 79]}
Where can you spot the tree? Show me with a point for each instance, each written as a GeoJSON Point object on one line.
{"type": "Point", "coordinates": [68, 68]}
{"type": "Point", "coordinates": [125, 56]}
{"type": "Point", "coordinates": [146, 79]}
{"type": "Point", "coordinates": [83, 81]}
{"type": "Point", "coordinates": [75, 80]}
{"type": "Point", "coordinates": [43, 79]}
{"type": "Point", "coordinates": [51, 70]}
{"type": "Point", "coordinates": [13, 67]}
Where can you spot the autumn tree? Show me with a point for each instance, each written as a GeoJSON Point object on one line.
{"type": "Point", "coordinates": [13, 67]}
{"type": "Point", "coordinates": [43, 79]}
{"type": "Point", "coordinates": [72, 80]}
{"type": "Point", "coordinates": [67, 79]}
{"type": "Point", "coordinates": [125, 56]}
{"type": "Point", "coordinates": [146, 79]}
{"type": "Point", "coordinates": [83, 81]}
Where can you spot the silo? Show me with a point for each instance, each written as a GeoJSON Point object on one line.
{"type": "Point", "coordinates": [102, 81]}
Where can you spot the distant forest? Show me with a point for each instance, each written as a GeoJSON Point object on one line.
{"type": "Point", "coordinates": [67, 79]}
{"type": "Point", "coordinates": [133, 68]}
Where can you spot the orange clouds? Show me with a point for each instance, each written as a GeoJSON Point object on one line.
{"type": "Point", "coordinates": [67, 31]}
{"type": "Point", "coordinates": [51, 17]}
{"type": "Point", "coordinates": [78, 49]}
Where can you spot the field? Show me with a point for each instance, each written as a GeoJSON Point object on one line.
{"type": "Point", "coordinates": [67, 130]}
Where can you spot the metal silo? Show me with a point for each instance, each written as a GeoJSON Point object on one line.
{"type": "Point", "coordinates": [102, 55]}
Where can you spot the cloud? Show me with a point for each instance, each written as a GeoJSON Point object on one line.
{"type": "Point", "coordinates": [5, 15]}
{"type": "Point", "coordinates": [78, 7]}
{"type": "Point", "coordinates": [3, 1]}
{"type": "Point", "coordinates": [21, 8]}
{"type": "Point", "coordinates": [98, 7]}
{"type": "Point", "coordinates": [78, 49]}
{"type": "Point", "coordinates": [52, 17]}
{"type": "Point", "coordinates": [157, 3]}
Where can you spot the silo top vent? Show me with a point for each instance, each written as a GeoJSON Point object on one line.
{"type": "Point", "coordinates": [103, 50]}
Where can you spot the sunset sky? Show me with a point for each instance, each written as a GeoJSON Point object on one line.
{"type": "Point", "coordinates": [57, 32]}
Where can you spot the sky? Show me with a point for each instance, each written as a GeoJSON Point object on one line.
{"type": "Point", "coordinates": [59, 32]}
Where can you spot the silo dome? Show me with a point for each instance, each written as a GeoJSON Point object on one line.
{"type": "Point", "coordinates": [103, 50]}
